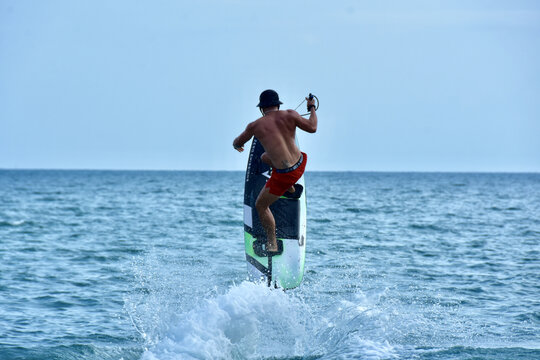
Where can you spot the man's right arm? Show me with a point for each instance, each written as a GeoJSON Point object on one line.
{"type": "Point", "coordinates": [309, 125]}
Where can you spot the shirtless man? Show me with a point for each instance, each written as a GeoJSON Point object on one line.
{"type": "Point", "coordinates": [276, 131]}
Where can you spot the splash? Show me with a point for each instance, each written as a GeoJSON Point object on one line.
{"type": "Point", "coordinates": [180, 315]}
{"type": "Point", "coordinates": [249, 321]}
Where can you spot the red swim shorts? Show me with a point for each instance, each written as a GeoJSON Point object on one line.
{"type": "Point", "coordinates": [282, 179]}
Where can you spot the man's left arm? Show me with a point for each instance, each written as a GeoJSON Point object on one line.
{"type": "Point", "coordinates": [239, 142]}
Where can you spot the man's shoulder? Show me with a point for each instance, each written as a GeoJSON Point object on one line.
{"type": "Point", "coordinates": [255, 122]}
{"type": "Point", "coordinates": [292, 113]}
{"type": "Point", "coordinates": [252, 126]}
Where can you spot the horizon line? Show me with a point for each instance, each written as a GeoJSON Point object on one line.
{"type": "Point", "coordinates": [315, 171]}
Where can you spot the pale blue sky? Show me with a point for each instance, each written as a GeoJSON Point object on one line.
{"type": "Point", "coordinates": [404, 85]}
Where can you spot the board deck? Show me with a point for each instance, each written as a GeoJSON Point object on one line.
{"type": "Point", "coordinates": [287, 269]}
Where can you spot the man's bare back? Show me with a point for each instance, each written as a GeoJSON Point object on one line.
{"type": "Point", "coordinates": [276, 131]}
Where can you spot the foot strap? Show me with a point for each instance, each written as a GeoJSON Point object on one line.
{"type": "Point", "coordinates": [259, 247]}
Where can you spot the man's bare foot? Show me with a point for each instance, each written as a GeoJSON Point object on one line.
{"type": "Point", "coordinates": [272, 247]}
{"type": "Point", "coordinates": [291, 189]}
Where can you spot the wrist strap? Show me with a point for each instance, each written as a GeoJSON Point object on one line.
{"type": "Point", "coordinates": [310, 107]}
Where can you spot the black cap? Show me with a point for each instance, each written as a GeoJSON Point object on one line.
{"type": "Point", "coordinates": [269, 98]}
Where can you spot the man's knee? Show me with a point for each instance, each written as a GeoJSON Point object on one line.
{"type": "Point", "coordinates": [260, 206]}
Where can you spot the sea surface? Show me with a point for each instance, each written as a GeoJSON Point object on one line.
{"type": "Point", "coordinates": [150, 265]}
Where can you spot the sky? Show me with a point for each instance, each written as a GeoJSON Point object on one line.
{"type": "Point", "coordinates": [167, 85]}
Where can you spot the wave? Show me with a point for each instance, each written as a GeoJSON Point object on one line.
{"type": "Point", "coordinates": [69, 352]}
{"type": "Point", "coordinates": [488, 353]}
{"type": "Point", "coordinates": [5, 223]}
{"type": "Point", "coordinates": [428, 227]}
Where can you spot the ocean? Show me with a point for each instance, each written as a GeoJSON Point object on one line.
{"type": "Point", "coordinates": [150, 265]}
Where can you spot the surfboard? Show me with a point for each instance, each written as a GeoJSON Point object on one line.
{"type": "Point", "coordinates": [287, 269]}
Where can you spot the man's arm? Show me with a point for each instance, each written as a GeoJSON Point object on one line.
{"type": "Point", "coordinates": [239, 142]}
{"type": "Point", "coordinates": [309, 125]}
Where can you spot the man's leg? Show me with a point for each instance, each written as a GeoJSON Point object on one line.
{"type": "Point", "coordinates": [264, 200]}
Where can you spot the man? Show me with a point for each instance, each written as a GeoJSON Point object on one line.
{"type": "Point", "coordinates": [276, 131]}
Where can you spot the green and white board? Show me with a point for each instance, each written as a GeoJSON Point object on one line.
{"type": "Point", "coordinates": [287, 269]}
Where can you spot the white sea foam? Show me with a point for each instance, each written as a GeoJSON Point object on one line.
{"type": "Point", "coordinates": [248, 321]}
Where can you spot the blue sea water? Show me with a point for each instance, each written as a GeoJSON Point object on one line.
{"type": "Point", "coordinates": [150, 265]}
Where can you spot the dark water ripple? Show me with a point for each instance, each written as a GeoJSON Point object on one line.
{"type": "Point", "coordinates": [110, 265]}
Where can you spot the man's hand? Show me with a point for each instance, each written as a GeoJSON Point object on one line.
{"type": "Point", "coordinates": [310, 103]}
{"type": "Point", "coordinates": [237, 146]}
